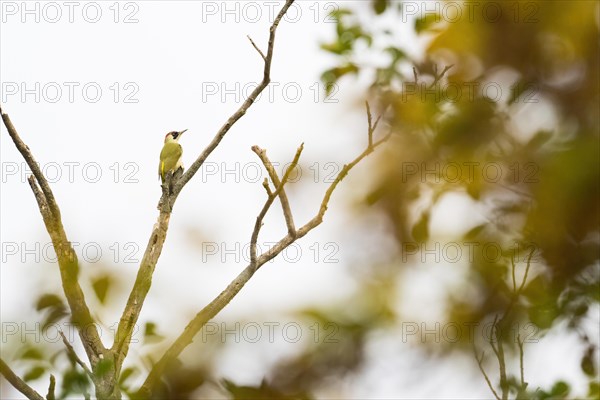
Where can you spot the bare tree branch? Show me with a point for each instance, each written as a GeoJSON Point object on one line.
{"type": "Point", "coordinates": [73, 355]}
{"type": "Point", "coordinates": [372, 126]}
{"type": "Point", "coordinates": [487, 379]}
{"type": "Point", "coordinates": [522, 368]}
{"type": "Point", "coordinates": [50, 395]}
{"type": "Point", "coordinates": [33, 165]}
{"type": "Point", "coordinates": [41, 200]}
{"type": "Point", "coordinates": [243, 108]}
{"type": "Point", "coordinates": [285, 204]}
{"type": "Point", "coordinates": [279, 191]}
{"type": "Point", "coordinates": [522, 286]}
{"type": "Point", "coordinates": [140, 289]}
{"type": "Point", "coordinates": [437, 77]}
{"type": "Point", "coordinates": [267, 188]}
{"type": "Point", "coordinates": [67, 258]}
{"type": "Point", "coordinates": [501, 360]}
{"type": "Point", "coordinates": [257, 49]}
{"type": "Point", "coordinates": [18, 383]}
{"type": "Point", "coordinates": [143, 280]}
{"type": "Point", "coordinates": [491, 341]}
{"type": "Point", "coordinates": [498, 331]}
{"type": "Point", "coordinates": [514, 280]}
{"type": "Point", "coordinates": [215, 306]}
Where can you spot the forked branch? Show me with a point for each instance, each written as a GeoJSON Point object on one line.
{"type": "Point", "coordinates": [497, 337]}
{"type": "Point", "coordinates": [279, 185]}
{"type": "Point", "coordinates": [143, 280]}
{"type": "Point", "coordinates": [215, 306]}
{"type": "Point", "coordinates": [67, 258]}
{"type": "Point", "coordinates": [487, 379]}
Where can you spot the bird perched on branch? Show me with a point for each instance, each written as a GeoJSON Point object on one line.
{"type": "Point", "coordinates": [170, 156]}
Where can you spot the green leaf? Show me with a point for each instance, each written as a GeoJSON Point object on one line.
{"type": "Point", "coordinates": [539, 140]}
{"type": "Point", "coordinates": [126, 374]}
{"type": "Point", "coordinates": [420, 231]}
{"type": "Point", "coordinates": [474, 190]}
{"type": "Point", "coordinates": [74, 382]}
{"type": "Point", "coordinates": [339, 13]}
{"type": "Point", "coordinates": [55, 315]}
{"type": "Point", "coordinates": [474, 232]}
{"type": "Point", "coordinates": [560, 389]}
{"type": "Point", "coordinates": [331, 76]}
{"type": "Point", "coordinates": [396, 53]}
{"type": "Point", "coordinates": [379, 6]}
{"type": "Point", "coordinates": [264, 391]}
{"type": "Point", "coordinates": [56, 309]}
{"type": "Point", "coordinates": [424, 23]}
{"type": "Point", "coordinates": [543, 316]}
{"type": "Point", "coordinates": [101, 286]}
{"type": "Point", "coordinates": [594, 390]}
{"type": "Point", "coordinates": [537, 290]}
{"type": "Point", "coordinates": [336, 47]}
{"type": "Point", "coordinates": [54, 356]}
{"type": "Point", "coordinates": [517, 90]}
{"type": "Point", "coordinates": [32, 353]}
{"type": "Point", "coordinates": [150, 334]}
{"type": "Point", "coordinates": [34, 373]}
{"type": "Point", "coordinates": [587, 362]}
{"type": "Point", "coordinates": [150, 329]}
{"type": "Point", "coordinates": [48, 300]}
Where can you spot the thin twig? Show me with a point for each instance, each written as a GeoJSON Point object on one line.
{"type": "Point", "coordinates": [256, 47]}
{"type": "Point", "coordinates": [517, 292]}
{"type": "Point", "coordinates": [267, 188]}
{"type": "Point", "coordinates": [440, 76]}
{"type": "Point", "coordinates": [415, 75]}
{"type": "Point", "coordinates": [526, 272]}
{"type": "Point", "coordinates": [491, 341]}
{"type": "Point", "coordinates": [73, 355]}
{"type": "Point", "coordinates": [18, 383]}
{"type": "Point", "coordinates": [34, 166]}
{"type": "Point", "coordinates": [487, 379]}
{"type": "Point", "coordinates": [50, 395]}
{"type": "Point", "coordinates": [498, 349]}
{"type": "Point", "coordinates": [514, 281]}
{"type": "Point", "coordinates": [520, 343]}
{"type": "Point", "coordinates": [372, 127]}
{"type": "Point", "coordinates": [501, 363]}
{"type": "Point", "coordinates": [41, 200]}
{"type": "Point", "coordinates": [369, 119]}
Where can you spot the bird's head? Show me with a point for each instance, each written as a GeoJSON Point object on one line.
{"type": "Point", "coordinates": [174, 136]}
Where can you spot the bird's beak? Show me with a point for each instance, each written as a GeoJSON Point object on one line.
{"type": "Point", "coordinates": [181, 133]}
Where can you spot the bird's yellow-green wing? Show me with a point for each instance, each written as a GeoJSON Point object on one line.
{"type": "Point", "coordinates": [169, 156]}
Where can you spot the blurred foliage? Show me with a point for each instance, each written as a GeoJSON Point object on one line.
{"type": "Point", "coordinates": [54, 307]}
{"type": "Point", "coordinates": [180, 382]}
{"type": "Point", "coordinates": [264, 391]}
{"type": "Point", "coordinates": [542, 59]}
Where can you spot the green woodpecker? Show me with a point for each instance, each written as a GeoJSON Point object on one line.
{"type": "Point", "coordinates": [170, 156]}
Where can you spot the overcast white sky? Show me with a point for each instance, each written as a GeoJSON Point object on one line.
{"type": "Point", "coordinates": [93, 87]}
